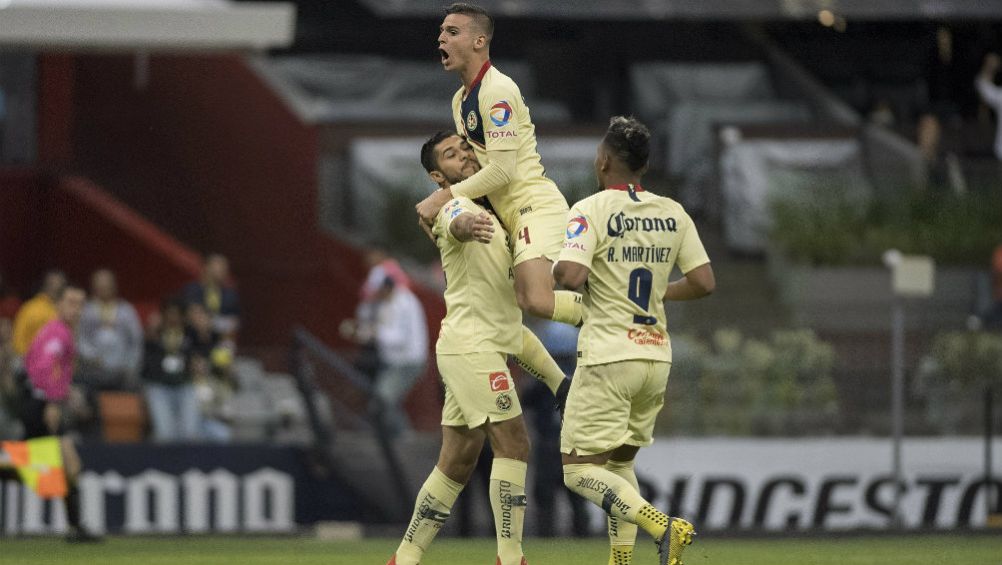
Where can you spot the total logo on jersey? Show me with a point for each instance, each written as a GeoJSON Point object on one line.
{"type": "Point", "coordinates": [620, 223]}
{"type": "Point", "coordinates": [500, 113]}
{"type": "Point", "coordinates": [577, 227]}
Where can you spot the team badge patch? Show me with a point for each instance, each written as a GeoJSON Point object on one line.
{"type": "Point", "coordinates": [501, 113]}
{"type": "Point", "coordinates": [503, 402]}
{"type": "Point", "coordinates": [576, 227]}
{"type": "Point", "coordinates": [499, 381]}
{"type": "Point", "coordinates": [471, 120]}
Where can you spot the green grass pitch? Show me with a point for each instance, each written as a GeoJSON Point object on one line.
{"type": "Point", "coordinates": [946, 549]}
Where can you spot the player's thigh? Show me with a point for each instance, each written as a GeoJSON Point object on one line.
{"type": "Point", "coordinates": [596, 419]}
{"type": "Point", "coordinates": [648, 402]}
{"type": "Point", "coordinates": [538, 235]}
{"type": "Point", "coordinates": [479, 389]}
{"type": "Point", "coordinates": [509, 438]}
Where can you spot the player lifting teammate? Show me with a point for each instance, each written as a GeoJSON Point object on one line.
{"type": "Point", "coordinates": [489, 111]}
{"type": "Point", "coordinates": [624, 242]}
{"type": "Point", "coordinates": [482, 326]}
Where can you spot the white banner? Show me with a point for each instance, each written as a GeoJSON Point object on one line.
{"type": "Point", "coordinates": [827, 484]}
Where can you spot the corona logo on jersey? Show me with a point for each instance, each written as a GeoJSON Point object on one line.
{"type": "Point", "coordinates": [471, 120]}
{"type": "Point", "coordinates": [499, 381]}
{"type": "Point", "coordinates": [619, 224]}
{"type": "Point", "coordinates": [645, 336]}
{"type": "Point", "coordinates": [576, 227]}
{"type": "Point", "coordinates": [500, 113]}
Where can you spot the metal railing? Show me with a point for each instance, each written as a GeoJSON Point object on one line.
{"type": "Point", "coordinates": [318, 369]}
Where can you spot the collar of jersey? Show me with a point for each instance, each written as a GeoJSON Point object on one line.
{"type": "Point", "coordinates": [626, 187]}
{"type": "Point", "coordinates": [480, 77]}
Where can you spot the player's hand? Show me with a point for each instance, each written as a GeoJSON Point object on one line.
{"type": "Point", "coordinates": [429, 207]}
{"type": "Point", "coordinates": [483, 228]}
{"type": "Point", "coordinates": [52, 416]}
{"type": "Point", "coordinates": [426, 229]}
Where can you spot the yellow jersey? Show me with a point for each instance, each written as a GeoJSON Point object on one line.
{"type": "Point", "coordinates": [493, 117]}
{"type": "Point", "coordinates": [32, 316]}
{"type": "Point", "coordinates": [481, 312]}
{"type": "Point", "coordinates": [630, 240]}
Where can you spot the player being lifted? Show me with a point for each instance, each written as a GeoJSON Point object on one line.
{"type": "Point", "coordinates": [489, 111]}
{"type": "Point", "coordinates": [482, 326]}
{"type": "Point", "coordinates": [623, 242]}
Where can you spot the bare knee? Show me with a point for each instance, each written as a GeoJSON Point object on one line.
{"type": "Point", "coordinates": [510, 439]}
{"type": "Point", "coordinates": [460, 450]}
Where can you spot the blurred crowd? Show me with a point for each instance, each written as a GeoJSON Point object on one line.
{"type": "Point", "coordinates": [164, 373]}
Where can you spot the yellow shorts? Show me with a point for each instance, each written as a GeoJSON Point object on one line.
{"type": "Point", "coordinates": [538, 234]}
{"type": "Point", "coordinates": [478, 388]}
{"type": "Point", "coordinates": [612, 405]}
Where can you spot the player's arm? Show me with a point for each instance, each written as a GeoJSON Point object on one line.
{"type": "Point", "coordinates": [469, 227]}
{"type": "Point", "coordinates": [697, 283]}
{"type": "Point", "coordinates": [580, 246]}
{"type": "Point", "coordinates": [570, 274]}
{"type": "Point", "coordinates": [496, 175]}
{"type": "Point", "coordinates": [694, 264]}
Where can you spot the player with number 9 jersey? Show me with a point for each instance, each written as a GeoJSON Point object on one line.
{"type": "Point", "coordinates": [630, 240]}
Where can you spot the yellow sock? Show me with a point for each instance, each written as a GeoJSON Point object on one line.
{"type": "Point", "coordinates": [537, 361]}
{"type": "Point", "coordinates": [652, 520]}
{"type": "Point", "coordinates": [621, 555]}
{"type": "Point", "coordinates": [616, 496]}
{"type": "Point", "coordinates": [507, 494]}
{"type": "Point", "coordinates": [622, 534]}
{"type": "Point", "coordinates": [431, 510]}
{"type": "Point", "coordinates": [567, 307]}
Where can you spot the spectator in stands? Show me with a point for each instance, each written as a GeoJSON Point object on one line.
{"type": "Point", "coordinates": [110, 337]}
{"type": "Point", "coordinates": [38, 311]}
{"type": "Point", "coordinates": [882, 114]}
{"type": "Point", "coordinates": [381, 265]}
{"type": "Point", "coordinates": [991, 94]}
{"type": "Point", "coordinates": [218, 296]}
{"type": "Point", "coordinates": [210, 362]}
{"type": "Point", "coordinates": [170, 392]}
{"type": "Point", "coordinates": [398, 331]}
{"type": "Point", "coordinates": [9, 301]}
{"type": "Point", "coordinates": [9, 389]}
{"type": "Point", "coordinates": [943, 165]}
{"type": "Point", "coordinates": [993, 320]}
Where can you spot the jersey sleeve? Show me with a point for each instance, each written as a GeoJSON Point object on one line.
{"type": "Point", "coordinates": [499, 106]}
{"type": "Point", "coordinates": [581, 237]}
{"type": "Point", "coordinates": [691, 253]}
{"type": "Point", "coordinates": [455, 208]}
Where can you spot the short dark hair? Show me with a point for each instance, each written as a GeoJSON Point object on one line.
{"type": "Point", "coordinates": [629, 140]}
{"type": "Point", "coordinates": [428, 159]}
{"type": "Point", "coordinates": [480, 16]}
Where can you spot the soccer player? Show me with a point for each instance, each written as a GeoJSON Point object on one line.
{"type": "Point", "coordinates": [489, 111]}
{"type": "Point", "coordinates": [482, 326]}
{"type": "Point", "coordinates": [621, 245]}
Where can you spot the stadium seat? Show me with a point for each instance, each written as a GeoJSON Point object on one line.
{"type": "Point", "coordinates": [123, 417]}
